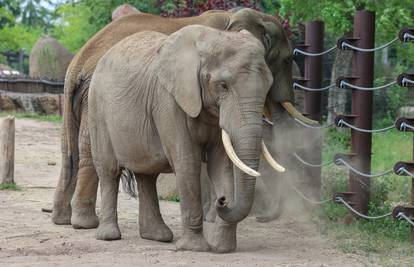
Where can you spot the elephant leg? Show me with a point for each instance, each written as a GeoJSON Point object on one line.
{"type": "Point", "coordinates": [274, 192]}
{"type": "Point", "coordinates": [84, 200]}
{"type": "Point", "coordinates": [108, 228]}
{"type": "Point", "coordinates": [107, 168]}
{"type": "Point", "coordinates": [66, 186]}
{"type": "Point", "coordinates": [188, 183]}
{"type": "Point", "coordinates": [221, 235]}
{"type": "Point", "coordinates": [208, 195]}
{"type": "Point", "coordinates": [151, 223]}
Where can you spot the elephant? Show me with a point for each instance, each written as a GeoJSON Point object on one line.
{"type": "Point", "coordinates": [174, 97]}
{"type": "Point", "coordinates": [75, 194]}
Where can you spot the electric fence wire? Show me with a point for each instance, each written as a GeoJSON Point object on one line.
{"type": "Point", "coordinates": [342, 122]}
{"type": "Point", "coordinates": [297, 51]}
{"type": "Point", "coordinates": [345, 46]}
{"type": "Point", "coordinates": [349, 207]}
{"type": "Point", "coordinates": [340, 161]}
{"type": "Point", "coordinates": [310, 164]}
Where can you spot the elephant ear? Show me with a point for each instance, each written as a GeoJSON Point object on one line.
{"type": "Point", "coordinates": [265, 28]}
{"type": "Point", "coordinates": [178, 67]}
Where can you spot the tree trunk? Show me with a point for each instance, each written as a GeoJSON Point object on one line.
{"type": "Point", "coordinates": [337, 96]}
{"type": "Point", "coordinates": [7, 150]}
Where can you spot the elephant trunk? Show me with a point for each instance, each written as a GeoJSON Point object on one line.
{"type": "Point", "coordinates": [247, 144]}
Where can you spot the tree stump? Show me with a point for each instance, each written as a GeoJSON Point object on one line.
{"type": "Point", "coordinates": [7, 130]}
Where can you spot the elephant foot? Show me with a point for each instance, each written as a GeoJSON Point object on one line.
{"type": "Point", "coordinates": [193, 240]}
{"type": "Point", "coordinates": [61, 216]}
{"type": "Point", "coordinates": [84, 221]}
{"type": "Point", "coordinates": [108, 231]}
{"type": "Point", "coordinates": [160, 232]}
{"type": "Point", "coordinates": [211, 215]}
{"type": "Point", "coordinates": [221, 236]}
{"type": "Point", "coordinates": [84, 215]}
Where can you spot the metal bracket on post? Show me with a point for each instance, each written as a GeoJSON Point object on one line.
{"type": "Point", "coordinates": [404, 165]}
{"type": "Point", "coordinates": [348, 40]}
{"type": "Point", "coordinates": [405, 35]}
{"type": "Point", "coordinates": [348, 157]}
{"type": "Point", "coordinates": [350, 119]}
{"type": "Point", "coordinates": [346, 196]}
{"type": "Point", "coordinates": [300, 80]}
{"type": "Point", "coordinates": [302, 47]}
{"type": "Point", "coordinates": [406, 210]}
{"type": "Point", "coordinates": [348, 79]}
{"type": "Point", "coordinates": [404, 124]}
{"type": "Point", "coordinates": [406, 80]}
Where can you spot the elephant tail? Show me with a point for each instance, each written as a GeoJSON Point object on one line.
{"type": "Point", "coordinates": [129, 183]}
{"type": "Point", "coordinates": [72, 116]}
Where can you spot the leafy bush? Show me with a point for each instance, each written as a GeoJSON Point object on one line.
{"type": "Point", "coordinates": [188, 8]}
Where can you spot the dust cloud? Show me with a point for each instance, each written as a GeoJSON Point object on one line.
{"type": "Point", "coordinates": [275, 195]}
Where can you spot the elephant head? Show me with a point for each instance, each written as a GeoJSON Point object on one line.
{"type": "Point", "coordinates": [223, 75]}
{"type": "Point", "coordinates": [278, 57]}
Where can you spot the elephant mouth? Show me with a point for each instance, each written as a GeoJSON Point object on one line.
{"type": "Point", "coordinates": [228, 147]}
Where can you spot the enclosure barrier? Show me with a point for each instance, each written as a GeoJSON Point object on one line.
{"type": "Point", "coordinates": [30, 85]}
{"type": "Point", "coordinates": [358, 162]}
{"type": "Point", "coordinates": [314, 38]}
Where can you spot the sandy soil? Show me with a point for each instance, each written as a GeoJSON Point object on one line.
{"type": "Point", "coordinates": [28, 238]}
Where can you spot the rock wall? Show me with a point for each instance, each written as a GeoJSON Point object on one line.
{"type": "Point", "coordinates": [44, 104]}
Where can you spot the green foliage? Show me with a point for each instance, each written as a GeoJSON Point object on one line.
{"type": "Point", "coordinates": [384, 236]}
{"type": "Point", "coordinates": [10, 186]}
{"type": "Point", "coordinates": [81, 20]}
{"type": "Point", "coordinates": [34, 13]}
{"type": "Point", "coordinates": [8, 12]}
{"type": "Point", "coordinates": [270, 6]}
{"type": "Point", "coordinates": [338, 16]}
{"type": "Point", "coordinates": [6, 17]}
{"type": "Point", "coordinates": [101, 11]}
{"type": "Point", "coordinates": [33, 116]}
{"type": "Point", "coordinates": [22, 22]}
{"type": "Point", "coordinates": [173, 198]}
{"type": "Point", "coordinates": [73, 29]}
{"type": "Point", "coordinates": [18, 37]}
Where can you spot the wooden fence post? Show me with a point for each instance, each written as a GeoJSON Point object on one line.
{"type": "Point", "coordinates": [7, 130]}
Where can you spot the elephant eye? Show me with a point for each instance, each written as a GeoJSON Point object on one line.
{"type": "Point", "coordinates": [224, 86]}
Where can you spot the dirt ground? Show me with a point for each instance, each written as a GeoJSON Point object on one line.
{"type": "Point", "coordinates": [28, 237]}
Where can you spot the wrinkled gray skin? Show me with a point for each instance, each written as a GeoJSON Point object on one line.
{"type": "Point", "coordinates": [271, 187]}
{"type": "Point", "coordinates": [75, 194]}
{"type": "Point", "coordinates": [172, 96]}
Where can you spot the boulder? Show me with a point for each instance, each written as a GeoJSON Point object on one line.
{"type": "Point", "coordinates": [49, 59]}
{"type": "Point", "coordinates": [46, 104]}
{"type": "Point", "coordinates": [7, 104]}
{"type": "Point", "coordinates": [123, 10]}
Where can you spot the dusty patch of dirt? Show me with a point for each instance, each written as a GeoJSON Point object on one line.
{"type": "Point", "coordinates": [28, 238]}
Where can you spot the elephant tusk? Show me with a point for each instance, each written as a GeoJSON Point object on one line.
{"type": "Point", "coordinates": [272, 162]}
{"type": "Point", "coordinates": [228, 147]}
{"type": "Point", "coordinates": [296, 114]}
